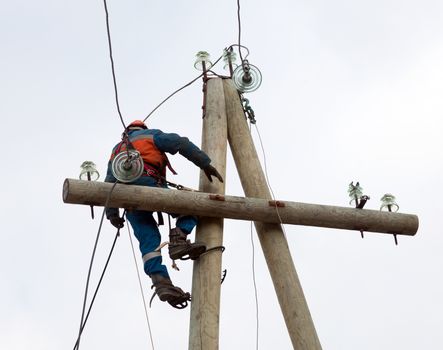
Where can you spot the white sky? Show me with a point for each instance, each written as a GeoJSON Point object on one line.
{"type": "Point", "coordinates": [352, 90]}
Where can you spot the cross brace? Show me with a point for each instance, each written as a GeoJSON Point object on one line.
{"type": "Point", "coordinates": [240, 208]}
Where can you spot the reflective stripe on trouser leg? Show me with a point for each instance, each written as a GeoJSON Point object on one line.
{"type": "Point", "coordinates": [151, 255]}
{"type": "Point", "coordinates": [148, 235]}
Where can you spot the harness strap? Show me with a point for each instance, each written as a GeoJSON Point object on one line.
{"type": "Point", "coordinates": [168, 164]}
{"type": "Point", "coordinates": [151, 170]}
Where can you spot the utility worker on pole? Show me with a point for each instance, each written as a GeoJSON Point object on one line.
{"type": "Point", "coordinates": [152, 145]}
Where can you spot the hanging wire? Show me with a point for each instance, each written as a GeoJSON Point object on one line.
{"type": "Point", "coordinates": [83, 320]}
{"type": "Point", "coordinates": [77, 344]}
{"type": "Point", "coordinates": [255, 289]}
{"type": "Point", "coordinates": [179, 89]}
{"type": "Point", "coordinates": [176, 91]}
{"type": "Point", "coordinates": [239, 30]}
{"type": "Point", "coordinates": [141, 288]}
{"type": "Point", "coordinates": [112, 63]}
{"type": "Point", "coordinates": [253, 275]}
{"type": "Point", "coordinates": [240, 47]}
{"type": "Point", "coordinates": [267, 179]}
{"type": "Point", "coordinates": [167, 98]}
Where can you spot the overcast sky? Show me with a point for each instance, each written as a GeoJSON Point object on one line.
{"type": "Point", "coordinates": [352, 91]}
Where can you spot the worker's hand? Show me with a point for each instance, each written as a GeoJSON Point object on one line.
{"type": "Point", "coordinates": [117, 221]}
{"type": "Point", "coordinates": [211, 171]}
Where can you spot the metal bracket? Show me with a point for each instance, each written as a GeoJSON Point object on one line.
{"type": "Point", "coordinates": [217, 197]}
{"type": "Point", "coordinates": [363, 200]}
{"type": "Point", "coordinates": [276, 204]}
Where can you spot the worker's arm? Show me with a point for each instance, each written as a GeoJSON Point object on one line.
{"type": "Point", "coordinates": [173, 143]}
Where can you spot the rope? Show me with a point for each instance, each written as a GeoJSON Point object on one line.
{"type": "Point", "coordinates": [141, 288]}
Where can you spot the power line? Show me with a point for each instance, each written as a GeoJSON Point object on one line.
{"type": "Point", "coordinates": [176, 91]}
{"type": "Point", "coordinates": [254, 279]}
{"type": "Point", "coordinates": [77, 344]}
{"type": "Point", "coordinates": [114, 79]}
{"type": "Point", "coordinates": [239, 30]}
{"type": "Point", "coordinates": [267, 179]}
{"type": "Point", "coordinates": [255, 290]}
{"type": "Point", "coordinates": [179, 89]}
{"type": "Point", "coordinates": [112, 64]}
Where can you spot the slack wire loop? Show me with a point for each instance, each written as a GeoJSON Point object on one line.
{"type": "Point", "coordinates": [77, 344]}
{"type": "Point", "coordinates": [112, 63]}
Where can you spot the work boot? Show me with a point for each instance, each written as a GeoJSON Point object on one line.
{"type": "Point", "coordinates": [166, 291]}
{"type": "Point", "coordinates": [182, 248]}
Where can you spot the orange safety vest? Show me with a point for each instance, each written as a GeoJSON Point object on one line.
{"type": "Point", "coordinates": [154, 159]}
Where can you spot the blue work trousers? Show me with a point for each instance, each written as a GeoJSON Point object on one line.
{"type": "Point", "coordinates": [147, 232]}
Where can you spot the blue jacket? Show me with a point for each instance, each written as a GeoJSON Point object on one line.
{"type": "Point", "coordinates": [152, 145]}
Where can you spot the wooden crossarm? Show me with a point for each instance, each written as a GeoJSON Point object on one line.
{"type": "Point", "coordinates": [239, 208]}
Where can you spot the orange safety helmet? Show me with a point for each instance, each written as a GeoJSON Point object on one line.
{"type": "Point", "coordinates": [137, 124]}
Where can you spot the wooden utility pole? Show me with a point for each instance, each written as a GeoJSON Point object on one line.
{"type": "Point", "coordinates": [205, 306]}
{"type": "Point", "coordinates": [275, 247]}
{"type": "Point", "coordinates": [225, 120]}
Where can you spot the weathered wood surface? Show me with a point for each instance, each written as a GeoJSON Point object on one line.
{"type": "Point", "coordinates": [239, 208]}
{"type": "Point", "coordinates": [205, 306]}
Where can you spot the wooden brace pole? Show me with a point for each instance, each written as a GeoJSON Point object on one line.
{"type": "Point", "coordinates": [275, 247]}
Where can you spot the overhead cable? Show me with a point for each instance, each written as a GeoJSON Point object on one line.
{"type": "Point", "coordinates": [179, 89]}
{"type": "Point", "coordinates": [239, 30]}
{"type": "Point", "coordinates": [114, 79]}
{"type": "Point", "coordinates": [77, 344]}
{"type": "Point", "coordinates": [255, 290]}
{"type": "Point", "coordinates": [268, 181]}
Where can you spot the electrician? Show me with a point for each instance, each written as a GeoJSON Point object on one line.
{"type": "Point", "coordinates": [152, 145]}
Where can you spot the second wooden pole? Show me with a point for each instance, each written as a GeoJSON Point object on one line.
{"type": "Point", "coordinates": [205, 306]}
{"type": "Point", "coordinates": [275, 247]}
